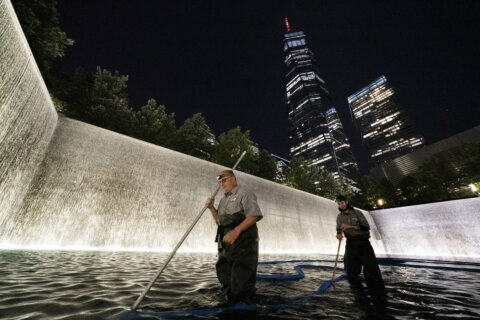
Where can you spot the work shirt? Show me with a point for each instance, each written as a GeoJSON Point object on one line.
{"type": "Point", "coordinates": [239, 200]}
{"type": "Point", "coordinates": [354, 218]}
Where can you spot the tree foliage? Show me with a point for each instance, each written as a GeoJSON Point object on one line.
{"type": "Point", "coordinates": [470, 170]}
{"type": "Point", "coordinates": [39, 21]}
{"type": "Point", "coordinates": [303, 175]}
{"type": "Point", "coordinates": [266, 166]}
{"type": "Point", "coordinates": [153, 124]}
{"type": "Point", "coordinates": [229, 147]}
{"type": "Point", "coordinates": [371, 191]}
{"type": "Point", "coordinates": [193, 138]}
{"type": "Point", "coordinates": [101, 99]}
{"type": "Point", "coordinates": [435, 180]}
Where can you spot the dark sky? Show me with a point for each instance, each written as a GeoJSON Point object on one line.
{"type": "Point", "coordinates": [225, 58]}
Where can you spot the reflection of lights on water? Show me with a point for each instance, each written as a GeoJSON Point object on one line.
{"type": "Point", "coordinates": [213, 250]}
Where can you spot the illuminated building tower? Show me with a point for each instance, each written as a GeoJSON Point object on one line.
{"type": "Point", "coordinates": [386, 131]}
{"type": "Point", "coordinates": [343, 153]}
{"type": "Point", "coordinates": [314, 134]}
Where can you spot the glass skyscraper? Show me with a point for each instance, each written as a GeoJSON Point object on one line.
{"type": "Point", "coordinates": [315, 131]}
{"type": "Point", "coordinates": [385, 128]}
{"type": "Point", "coordinates": [343, 154]}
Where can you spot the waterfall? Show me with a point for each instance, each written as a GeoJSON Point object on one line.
{"type": "Point", "coordinates": [27, 116]}
{"type": "Point", "coordinates": [69, 185]}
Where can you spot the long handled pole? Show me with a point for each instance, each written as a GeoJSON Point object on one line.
{"type": "Point", "coordinates": [149, 286]}
{"type": "Point", "coordinates": [336, 262]}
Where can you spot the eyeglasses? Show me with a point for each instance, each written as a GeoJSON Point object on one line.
{"type": "Point", "coordinates": [223, 180]}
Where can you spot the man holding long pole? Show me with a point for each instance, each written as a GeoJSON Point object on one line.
{"type": "Point", "coordinates": [359, 252]}
{"type": "Point", "coordinates": [237, 238]}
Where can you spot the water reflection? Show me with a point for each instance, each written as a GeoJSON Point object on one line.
{"type": "Point", "coordinates": [95, 285]}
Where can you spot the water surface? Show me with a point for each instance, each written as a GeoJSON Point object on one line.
{"type": "Point", "coordinates": [95, 285]}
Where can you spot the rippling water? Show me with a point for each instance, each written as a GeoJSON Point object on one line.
{"type": "Point", "coordinates": [95, 285]}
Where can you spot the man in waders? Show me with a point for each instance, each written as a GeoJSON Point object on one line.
{"type": "Point", "coordinates": [237, 238]}
{"type": "Point", "coordinates": [358, 251]}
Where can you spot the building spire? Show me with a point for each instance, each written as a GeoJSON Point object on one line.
{"type": "Point", "coordinates": [287, 25]}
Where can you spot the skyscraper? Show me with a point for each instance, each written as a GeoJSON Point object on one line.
{"type": "Point", "coordinates": [315, 131]}
{"type": "Point", "coordinates": [343, 154]}
{"type": "Point", "coordinates": [385, 128]}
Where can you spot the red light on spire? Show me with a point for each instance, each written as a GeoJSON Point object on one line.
{"type": "Point", "coordinates": [287, 25]}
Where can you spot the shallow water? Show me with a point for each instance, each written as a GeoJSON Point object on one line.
{"type": "Point", "coordinates": [95, 285]}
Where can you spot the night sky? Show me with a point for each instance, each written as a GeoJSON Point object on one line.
{"type": "Point", "coordinates": [225, 59]}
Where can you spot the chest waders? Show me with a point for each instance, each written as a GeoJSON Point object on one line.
{"type": "Point", "coordinates": [237, 263]}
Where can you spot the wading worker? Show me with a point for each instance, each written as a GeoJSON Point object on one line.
{"type": "Point", "coordinates": [358, 251]}
{"type": "Point", "coordinates": [237, 238]}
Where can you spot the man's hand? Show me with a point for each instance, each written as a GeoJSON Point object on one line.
{"type": "Point", "coordinates": [339, 236]}
{"type": "Point", "coordinates": [230, 237]}
{"type": "Point", "coordinates": [209, 203]}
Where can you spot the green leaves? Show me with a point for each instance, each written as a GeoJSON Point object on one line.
{"type": "Point", "coordinates": [440, 178]}
{"type": "Point", "coordinates": [39, 20]}
{"type": "Point", "coordinates": [101, 99]}
{"type": "Point", "coordinates": [303, 175]}
{"type": "Point", "coordinates": [153, 124]}
{"type": "Point", "coordinates": [266, 166]}
{"type": "Point", "coordinates": [229, 147]}
{"type": "Point", "coordinates": [194, 138]}
{"type": "Point", "coordinates": [256, 162]}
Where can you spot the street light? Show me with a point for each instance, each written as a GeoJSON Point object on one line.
{"type": "Point", "coordinates": [381, 202]}
{"type": "Point", "coordinates": [473, 187]}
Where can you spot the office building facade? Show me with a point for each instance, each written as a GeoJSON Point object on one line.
{"type": "Point", "coordinates": [315, 131]}
{"type": "Point", "coordinates": [386, 130]}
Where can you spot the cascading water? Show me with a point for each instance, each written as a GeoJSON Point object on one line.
{"type": "Point", "coordinates": [99, 189]}
{"type": "Point", "coordinates": [66, 184]}
{"type": "Point", "coordinates": [69, 185]}
{"type": "Point", "coordinates": [27, 116]}
{"type": "Point", "coordinates": [447, 229]}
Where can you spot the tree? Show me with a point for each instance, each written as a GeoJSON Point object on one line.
{"type": "Point", "coordinates": [327, 186]}
{"type": "Point", "coordinates": [299, 174]}
{"type": "Point", "coordinates": [101, 99]}
{"type": "Point", "coordinates": [229, 147]}
{"type": "Point", "coordinates": [371, 191]}
{"type": "Point", "coordinates": [39, 21]}
{"type": "Point", "coordinates": [470, 168]}
{"type": "Point", "coordinates": [435, 180]}
{"type": "Point", "coordinates": [303, 175]}
{"type": "Point", "coordinates": [153, 124]}
{"type": "Point", "coordinates": [266, 166]}
{"type": "Point", "coordinates": [193, 138]}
